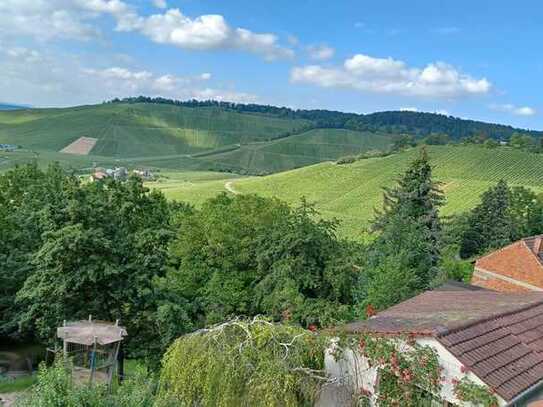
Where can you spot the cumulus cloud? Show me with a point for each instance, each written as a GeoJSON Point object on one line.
{"type": "Point", "coordinates": [389, 76]}
{"type": "Point", "coordinates": [205, 32]}
{"type": "Point", "coordinates": [51, 19]}
{"type": "Point", "coordinates": [320, 52]}
{"type": "Point", "coordinates": [44, 20]}
{"type": "Point", "coordinates": [513, 109]}
{"type": "Point", "coordinates": [45, 78]}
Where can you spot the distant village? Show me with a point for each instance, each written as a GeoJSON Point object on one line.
{"type": "Point", "coordinates": [120, 174]}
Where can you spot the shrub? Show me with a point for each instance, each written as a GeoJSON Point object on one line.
{"type": "Point", "coordinates": [349, 159]}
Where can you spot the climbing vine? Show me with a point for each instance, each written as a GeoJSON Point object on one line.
{"type": "Point", "coordinates": [245, 363]}
{"type": "Point", "coordinates": [408, 373]}
{"type": "Point", "coordinates": [470, 392]}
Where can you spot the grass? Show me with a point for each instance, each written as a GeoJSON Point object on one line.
{"type": "Point", "coordinates": [192, 186]}
{"type": "Point", "coordinates": [351, 192]}
{"type": "Point", "coordinates": [16, 385]}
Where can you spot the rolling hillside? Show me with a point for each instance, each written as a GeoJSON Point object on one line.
{"type": "Point", "coordinates": [140, 130]}
{"type": "Point", "coordinates": [191, 136]}
{"type": "Point", "coordinates": [351, 192]}
{"type": "Point", "coordinates": [300, 150]}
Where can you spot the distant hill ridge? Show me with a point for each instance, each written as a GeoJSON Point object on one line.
{"type": "Point", "coordinates": [8, 106]}
{"type": "Point", "coordinates": [417, 123]}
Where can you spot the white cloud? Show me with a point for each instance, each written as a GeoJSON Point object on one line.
{"type": "Point", "coordinates": [50, 19]}
{"type": "Point", "coordinates": [320, 52]}
{"type": "Point", "coordinates": [52, 79]}
{"type": "Point", "coordinates": [389, 76]}
{"type": "Point", "coordinates": [44, 20]}
{"type": "Point", "coordinates": [160, 3]}
{"type": "Point", "coordinates": [223, 95]}
{"type": "Point", "coordinates": [206, 32]}
{"type": "Point", "coordinates": [513, 109]}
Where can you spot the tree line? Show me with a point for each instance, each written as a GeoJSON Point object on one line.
{"type": "Point", "coordinates": [420, 124]}
{"type": "Point", "coordinates": [117, 250]}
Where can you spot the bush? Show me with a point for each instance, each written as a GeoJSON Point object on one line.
{"type": "Point", "coordinates": [349, 159]}
{"type": "Point", "coordinates": [55, 388]}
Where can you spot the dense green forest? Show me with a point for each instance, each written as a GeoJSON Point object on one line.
{"type": "Point", "coordinates": [248, 267]}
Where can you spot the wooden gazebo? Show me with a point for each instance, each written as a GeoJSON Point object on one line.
{"type": "Point", "coordinates": [93, 347]}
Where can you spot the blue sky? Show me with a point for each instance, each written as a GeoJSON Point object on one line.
{"type": "Point", "coordinates": [474, 59]}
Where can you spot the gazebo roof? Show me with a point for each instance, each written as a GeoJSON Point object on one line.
{"type": "Point", "coordinates": [85, 332]}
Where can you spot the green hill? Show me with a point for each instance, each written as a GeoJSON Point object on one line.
{"type": "Point", "coordinates": [140, 130]}
{"type": "Point", "coordinates": [191, 136]}
{"type": "Point", "coordinates": [300, 150]}
{"type": "Point", "coordinates": [351, 192]}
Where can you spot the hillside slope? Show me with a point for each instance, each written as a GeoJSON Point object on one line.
{"type": "Point", "coordinates": [140, 130]}
{"type": "Point", "coordinates": [300, 150]}
{"type": "Point", "coordinates": [246, 139]}
{"type": "Point", "coordinates": [351, 192]}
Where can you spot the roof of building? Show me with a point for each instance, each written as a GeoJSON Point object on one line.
{"type": "Point", "coordinates": [87, 332]}
{"type": "Point", "coordinates": [498, 336]}
{"type": "Point", "coordinates": [514, 268]}
{"type": "Point", "coordinates": [452, 285]}
{"type": "Point", "coordinates": [434, 312]}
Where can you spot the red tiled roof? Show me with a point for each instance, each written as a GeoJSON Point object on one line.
{"type": "Point", "coordinates": [521, 262]}
{"type": "Point", "coordinates": [498, 336]}
{"type": "Point", "coordinates": [505, 352]}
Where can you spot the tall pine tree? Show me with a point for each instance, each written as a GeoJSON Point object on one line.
{"type": "Point", "coordinates": [408, 237]}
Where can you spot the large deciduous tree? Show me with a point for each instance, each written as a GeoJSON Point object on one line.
{"type": "Point", "coordinates": [247, 255]}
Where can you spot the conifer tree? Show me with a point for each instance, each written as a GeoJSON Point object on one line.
{"type": "Point", "coordinates": [409, 237]}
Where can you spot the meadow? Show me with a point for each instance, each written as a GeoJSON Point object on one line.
{"type": "Point", "coordinates": [350, 192]}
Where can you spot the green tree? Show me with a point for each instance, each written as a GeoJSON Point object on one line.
{"type": "Point", "coordinates": [408, 236]}
{"type": "Point", "coordinates": [100, 246]}
{"type": "Point", "coordinates": [247, 255]}
{"type": "Point", "coordinates": [522, 141]}
{"type": "Point", "coordinates": [32, 202]}
{"type": "Point", "coordinates": [490, 224]}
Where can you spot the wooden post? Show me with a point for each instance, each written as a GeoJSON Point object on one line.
{"type": "Point", "coordinates": [93, 361]}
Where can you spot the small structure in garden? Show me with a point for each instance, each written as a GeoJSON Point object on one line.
{"type": "Point", "coordinates": [93, 347]}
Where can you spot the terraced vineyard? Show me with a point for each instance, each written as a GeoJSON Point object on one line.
{"type": "Point", "coordinates": [300, 150]}
{"type": "Point", "coordinates": [140, 130]}
{"type": "Point", "coordinates": [351, 192]}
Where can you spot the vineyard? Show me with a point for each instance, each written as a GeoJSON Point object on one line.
{"type": "Point", "coordinates": [140, 130]}
{"type": "Point", "coordinates": [351, 192]}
